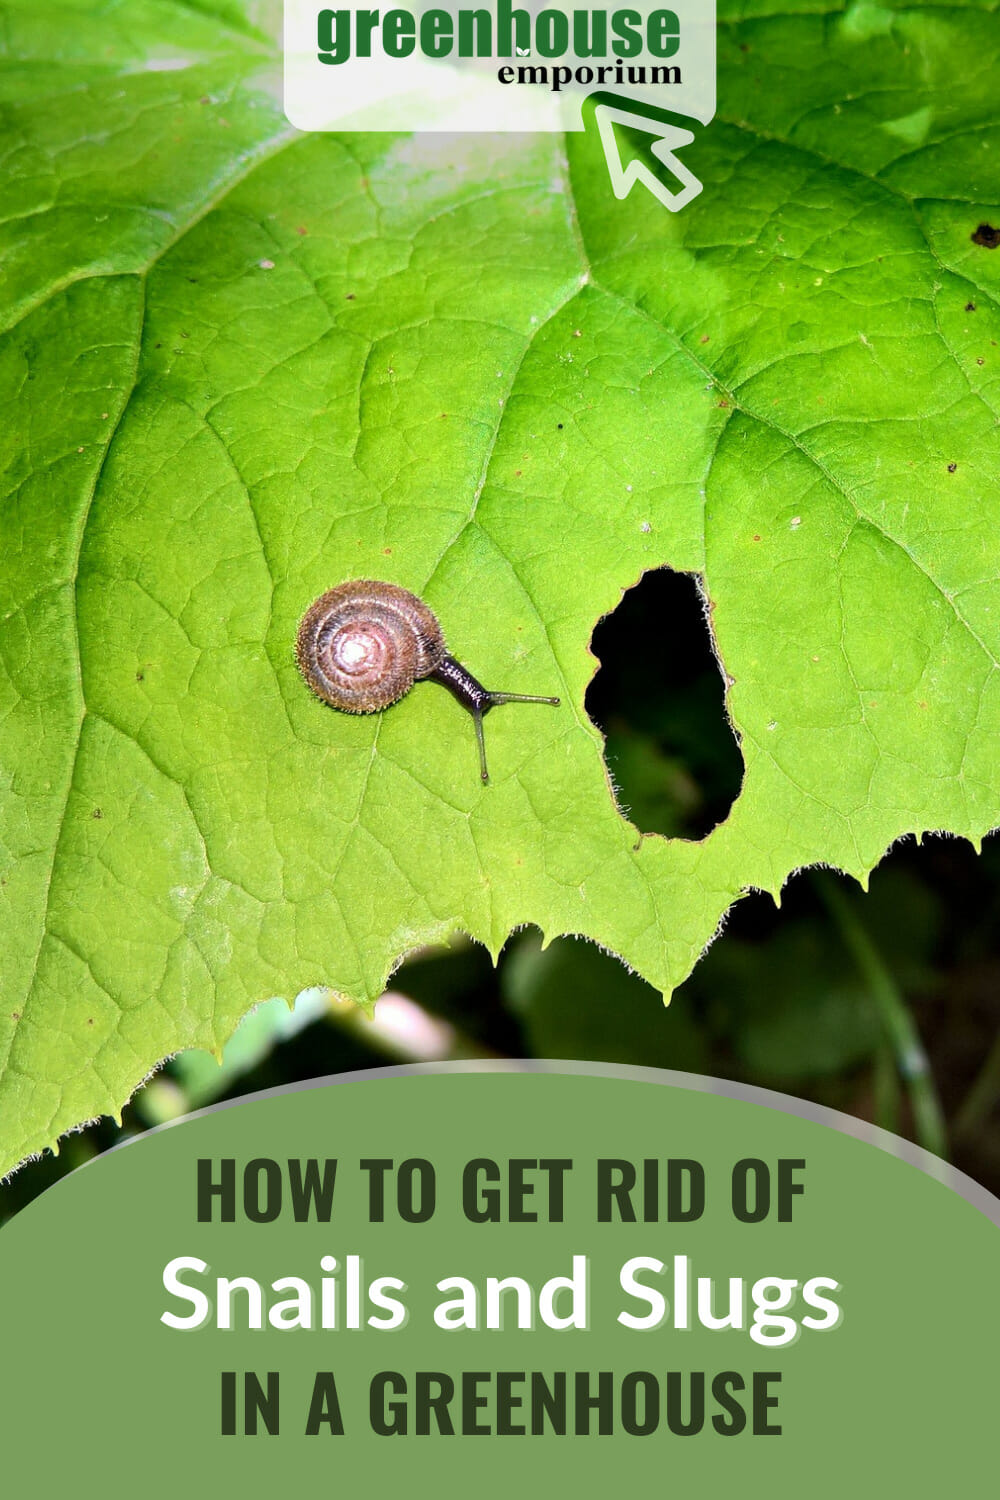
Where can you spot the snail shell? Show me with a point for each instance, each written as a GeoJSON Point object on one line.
{"type": "Point", "coordinates": [361, 646]}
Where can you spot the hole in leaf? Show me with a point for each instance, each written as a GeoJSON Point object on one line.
{"type": "Point", "coordinates": [658, 699]}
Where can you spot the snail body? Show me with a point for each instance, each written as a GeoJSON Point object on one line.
{"type": "Point", "coordinates": [362, 646]}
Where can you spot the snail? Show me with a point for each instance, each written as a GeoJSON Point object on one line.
{"type": "Point", "coordinates": [362, 646]}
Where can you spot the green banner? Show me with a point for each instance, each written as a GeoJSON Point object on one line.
{"type": "Point", "coordinates": [623, 1275]}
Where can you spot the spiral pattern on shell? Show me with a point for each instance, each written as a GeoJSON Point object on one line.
{"type": "Point", "coordinates": [362, 645]}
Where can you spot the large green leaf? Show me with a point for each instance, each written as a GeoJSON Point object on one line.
{"type": "Point", "coordinates": [242, 365]}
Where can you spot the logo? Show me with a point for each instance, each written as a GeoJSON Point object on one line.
{"type": "Point", "coordinates": [646, 75]}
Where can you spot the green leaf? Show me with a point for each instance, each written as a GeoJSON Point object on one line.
{"type": "Point", "coordinates": [242, 365]}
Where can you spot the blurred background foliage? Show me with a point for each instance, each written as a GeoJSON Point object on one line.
{"type": "Point", "coordinates": [883, 1004]}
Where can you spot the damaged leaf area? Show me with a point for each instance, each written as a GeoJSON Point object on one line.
{"type": "Point", "coordinates": [241, 365]}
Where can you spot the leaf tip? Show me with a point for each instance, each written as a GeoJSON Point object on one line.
{"type": "Point", "coordinates": [347, 1005]}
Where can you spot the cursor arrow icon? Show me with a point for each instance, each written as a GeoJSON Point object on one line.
{"type": "Point", "coordinates": [626, 173]}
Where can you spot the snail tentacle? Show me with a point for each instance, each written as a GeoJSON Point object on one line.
{"type": "Point", "coordinates": [477, 699]}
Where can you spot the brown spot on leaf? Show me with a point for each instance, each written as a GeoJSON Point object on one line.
{"type": "Point", "coordinates": [986, 235]}
{"type": "Point", "coordinates": [97, 814]}
{"type": "Point", "coordinates": [970, 307]}
{"type": "Point", "coordinates": [952, 468]}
